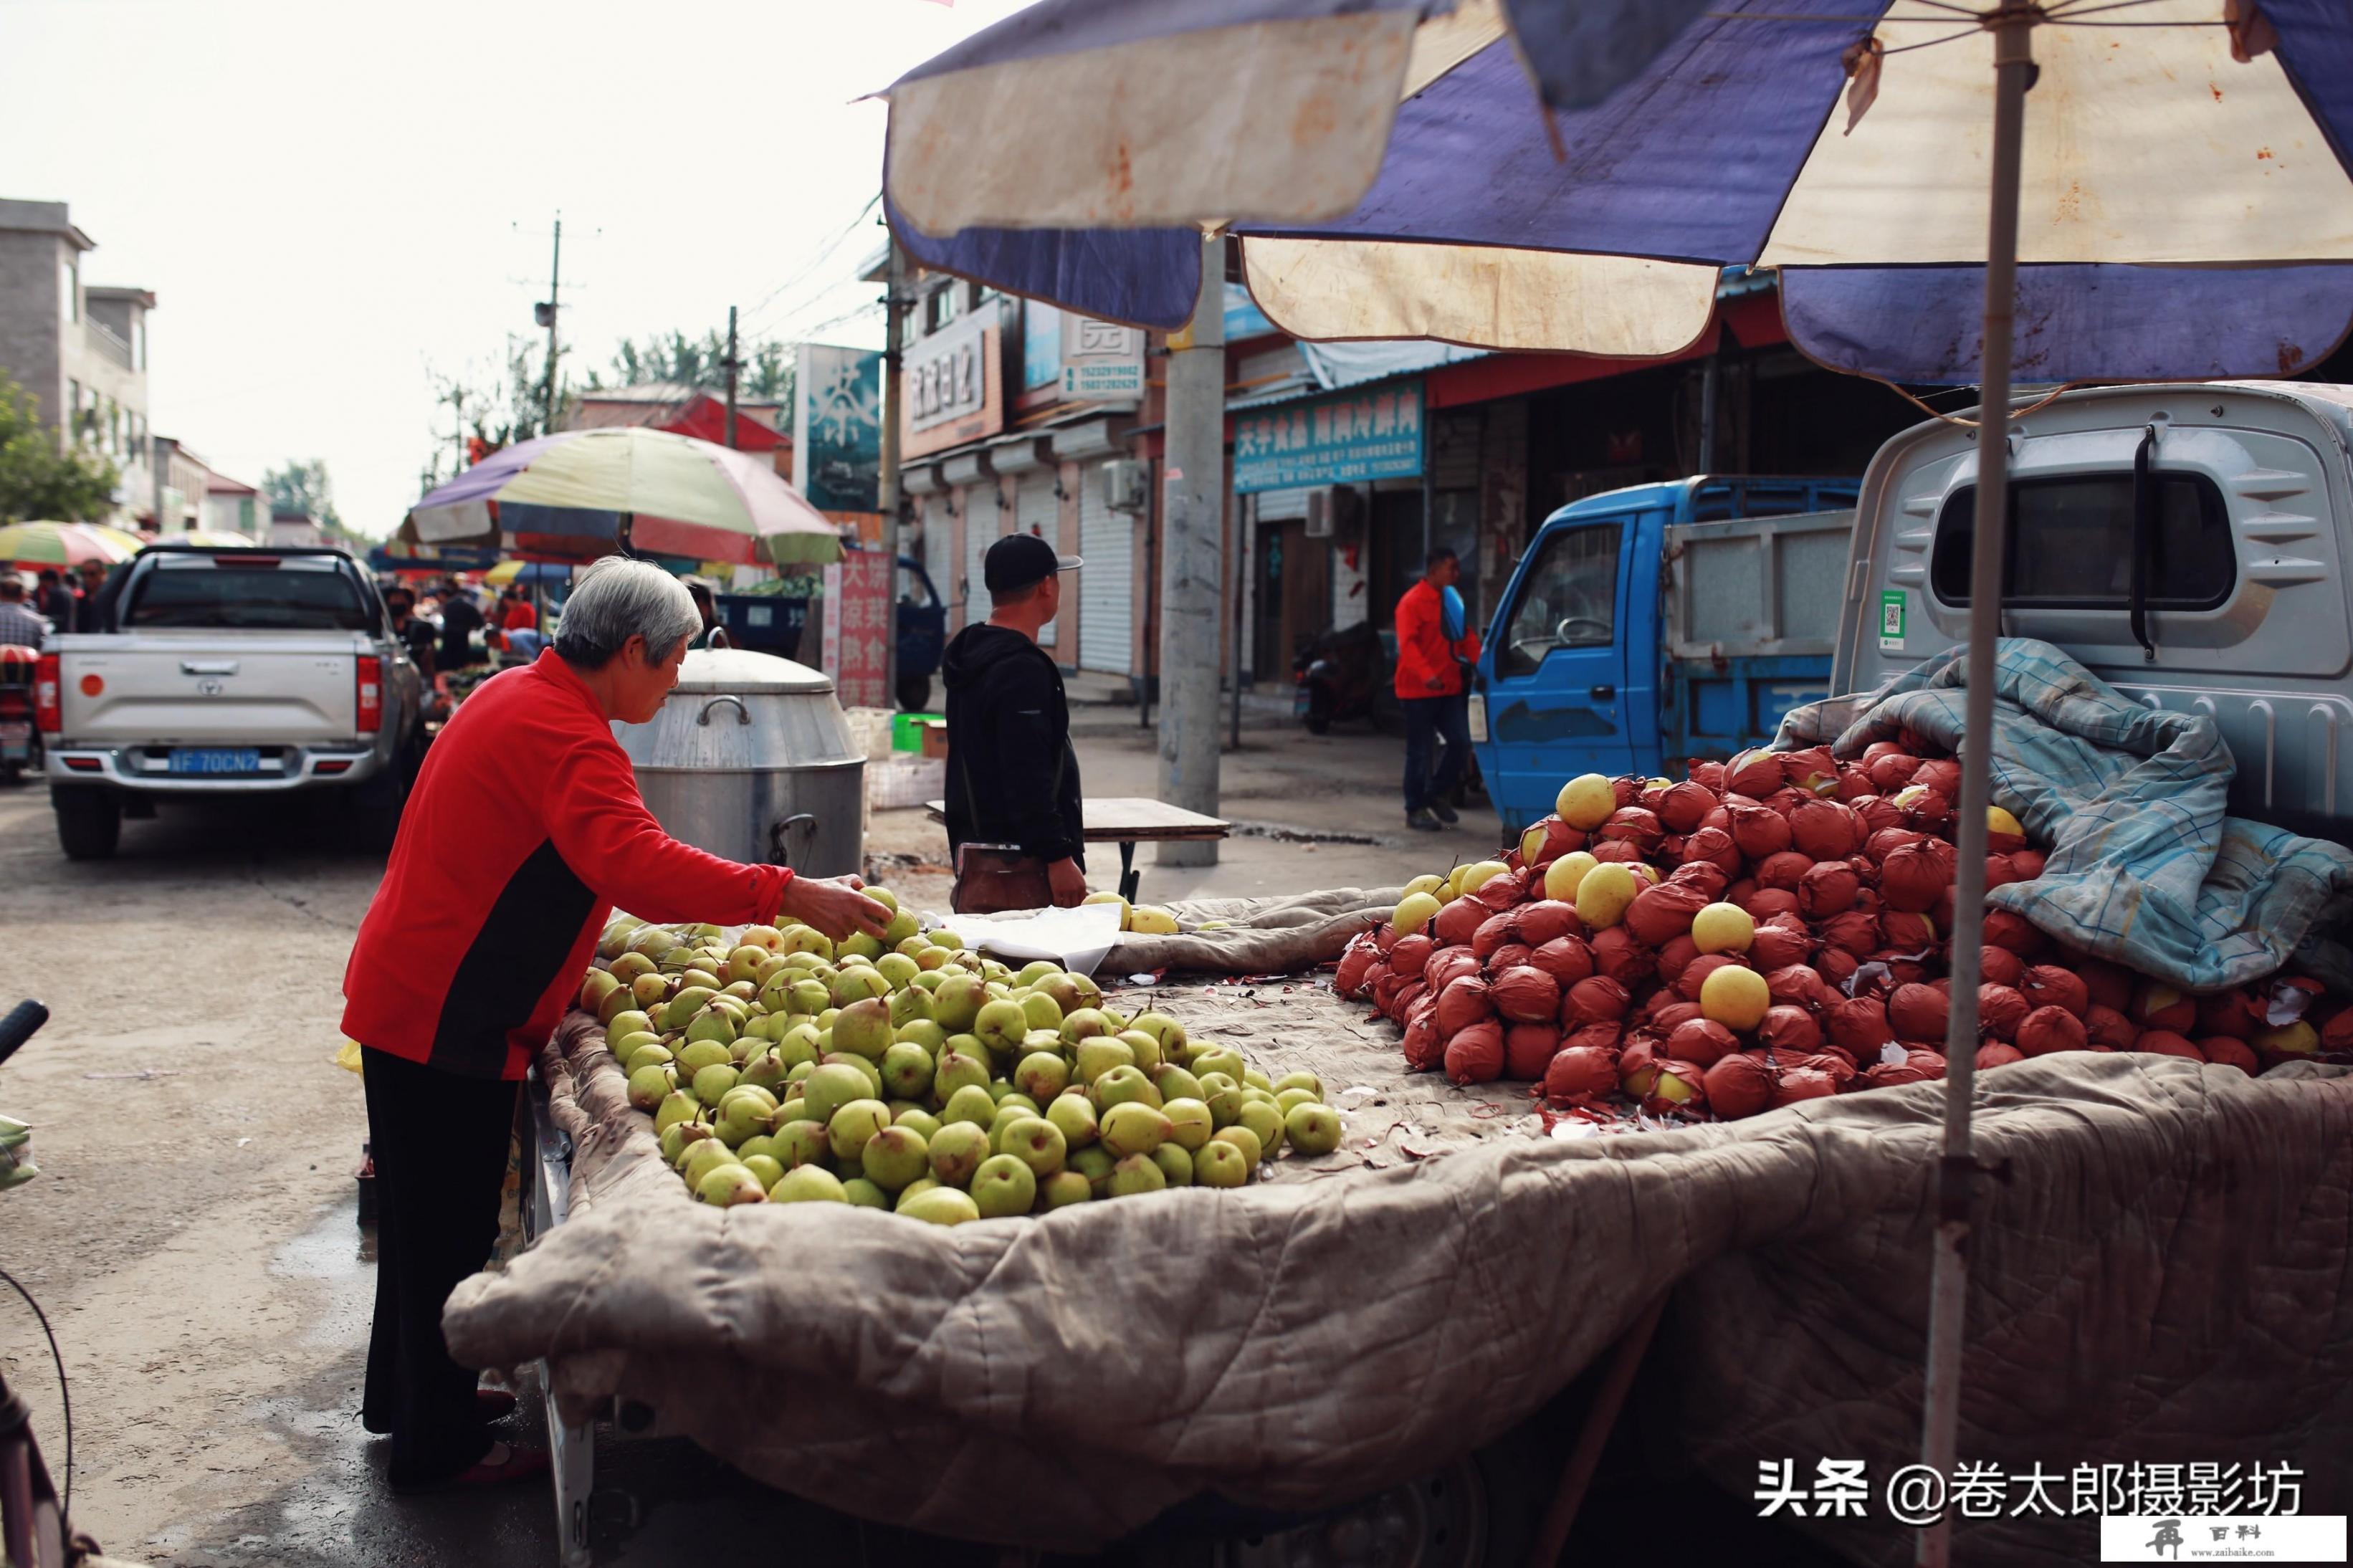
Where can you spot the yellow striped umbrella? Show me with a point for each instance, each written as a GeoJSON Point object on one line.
{"type": "Point", "coordinates": [64, 544]}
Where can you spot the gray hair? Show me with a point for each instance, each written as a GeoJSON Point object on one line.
{"type": "Point", "coordinates": [617, 599]}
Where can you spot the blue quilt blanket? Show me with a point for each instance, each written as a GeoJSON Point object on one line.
{"type": "Point", "coordinates": [2144, 866]}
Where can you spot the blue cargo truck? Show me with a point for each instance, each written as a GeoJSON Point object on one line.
{"type": "Point", "coordinates": [1650, 624]}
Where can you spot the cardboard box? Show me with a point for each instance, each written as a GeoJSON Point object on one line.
{"type": "Point", "coordinates": [936, 738]}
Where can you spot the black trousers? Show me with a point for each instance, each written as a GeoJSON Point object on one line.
{"type": "Point", "coordinates": [439, 1141]}
{"type": "Point", "coordinates": [1429, 720]}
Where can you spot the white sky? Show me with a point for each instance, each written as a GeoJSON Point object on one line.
{"type": "Point", "coordinates": [331, 199]}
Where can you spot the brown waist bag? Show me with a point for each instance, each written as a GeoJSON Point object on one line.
{"type": "Point", "coordinates": [992, 878]}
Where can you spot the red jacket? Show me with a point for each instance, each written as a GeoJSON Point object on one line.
{"type": "Point", "coordinates": [1426, 659]}
{"type": "Point", "coordinates": [523, 831]}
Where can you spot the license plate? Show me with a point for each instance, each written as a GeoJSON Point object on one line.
{"type": "Point", "coordinates": [217, 761]}
{"type": "Point", "coordinates": [1477, 719]}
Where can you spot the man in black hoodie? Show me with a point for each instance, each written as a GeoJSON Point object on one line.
{"type": "Point", "coordinates": [1013, 779]}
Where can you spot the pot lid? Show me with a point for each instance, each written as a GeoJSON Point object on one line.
{"type": "Point", "coordinates": [739, 670]}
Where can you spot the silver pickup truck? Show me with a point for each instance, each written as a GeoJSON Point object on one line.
{"type": "Point", "coordinates": [228, 672]}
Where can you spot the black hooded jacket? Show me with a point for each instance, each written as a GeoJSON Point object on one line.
{"type": "Point", "coordinates": [1012, 775]}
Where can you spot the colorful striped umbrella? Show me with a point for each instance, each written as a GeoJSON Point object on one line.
{"type": "Point", "coordinates": [584, 490]}
{"type": "Point", "coordinates": [65, 544]}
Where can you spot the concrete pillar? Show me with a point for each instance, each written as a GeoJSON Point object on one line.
{"type": "Point", "coordinates": [1192, 566]}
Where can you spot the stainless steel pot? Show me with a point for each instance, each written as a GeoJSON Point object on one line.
{"type": "Point", "coordinates": [751, 758]}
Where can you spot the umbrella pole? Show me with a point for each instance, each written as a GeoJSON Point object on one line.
{"type": "Point", "coordinates": [2012, 26]}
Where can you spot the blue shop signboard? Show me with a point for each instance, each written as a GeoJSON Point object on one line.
{"type": "Point", "coordinates": [1375, 433]}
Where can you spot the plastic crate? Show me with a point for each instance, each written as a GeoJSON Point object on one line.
{"type": "Point", "coordinates": [907, 730]}
{"type": "Point", "coordinates": [900, 781]}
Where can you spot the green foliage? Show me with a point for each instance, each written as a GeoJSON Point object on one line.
{"type": "Point", "coordinates": [767, 375]}
{"type": "Point", "coordinates": [304, 488]}
{"type": "Point", "coordinates": [38, 479]}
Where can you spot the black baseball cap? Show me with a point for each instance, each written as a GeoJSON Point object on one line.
{"type": "Point", "coordinates": [1018, 560]}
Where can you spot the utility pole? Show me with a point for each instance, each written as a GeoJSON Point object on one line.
{"type": "Point", "coordinates": [886, 492]}
{"type": "Point", "coordinates": [1192, 574]}
{"type": "Point", "coordinates": [733, 365]}
{"type": "Point", "coordinates": [546, 315]}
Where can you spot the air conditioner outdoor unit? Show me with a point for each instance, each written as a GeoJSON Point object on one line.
{"type": "Point", "coordinates": [1125, 486]}
{"type": "Point", "coordinates": [1319, 515]}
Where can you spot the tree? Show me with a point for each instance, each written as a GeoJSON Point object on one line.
{"type": "Point", "coordinates": [41, 479]}
{"type": "Point", "coordinates": [304, 488]}
{"type": "Point", "coordinates": [766, 373]}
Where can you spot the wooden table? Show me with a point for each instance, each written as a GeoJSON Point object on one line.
{"type": "Point", "coordinates": [1128, 821]}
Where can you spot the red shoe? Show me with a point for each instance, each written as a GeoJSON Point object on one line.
{"type": "Point", "coordinates": [503, 1463]}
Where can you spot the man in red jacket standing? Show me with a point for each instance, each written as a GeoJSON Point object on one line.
{"type": "Point", "coordinates": [523, 831]}
{"type": "Point", "coordinates": [1430, 654]}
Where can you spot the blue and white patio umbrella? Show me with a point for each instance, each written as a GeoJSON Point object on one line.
{"type": "Point", "coordinates": [1393, 170]}
{"type": "Point", "coordinates": [2092, 189]}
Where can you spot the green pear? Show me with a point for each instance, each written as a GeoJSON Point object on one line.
{"type": "Point", "coordinates": [1062, 1189]}
{"type": "Point", "coordinates": [694, 1057]}
{"type": "Point", "coordinates": [1175, 1083]}
{"type": "Point", "coordinates": [863, 1193]}
{"type": "Point", "coordinates": [856, 984]}
{"type": "Point", "coordinates": [704, 1158]}
{"type": "Point", "coordinates": [893, 1157]}
{"type": "Point", "coordinates": [1094, 1163]}
{"type": "Point", "coordinates": [672, 1142]}
{"type": "Point", "coordinates": [1219, 1164]}
{"type": "Point", "coordinates": [775, 964]}
{"type": "Point", "coordinates": [798, 1044]}
{"type": "Point", "coordinates": [651, 992]}
{"type": "Point", "coordinates": [1074, 1116]}
{"type": "Point", "coordinates": [1099, 1055]}
{"type": "Point", "coordinates": [956, 1150]}
{"type": "Point", "coordinates": [1134, 1176]}
{"type": "Point", "coordinates": [1042, 1075]}
{"type": "Point", "coordinates": [807, 939]}
{"type": "Point", "coordinates": [1001, 1026]}
{"type": "Point", "coordinates": [1036, 969]}
{"type": "Point", "coordinates": [864, 1069]}
{"type": "Point", "coordinates": [756, 1144]}
{"type": "Point", "coordinates": [723, 1186]}
{"type": "Point", "coordinates": [1224, 1059]}
{"type": "Point", "coordinates": [916, 1117]}
{"type": "Point", "coordinates": [1043, 1011]}
{"type": "Point", "coordinates": [649, 1085]}
{"type": "Point", "coordinates": [1134, 1128]}
{"type": "Point", "coordinates": [1285, 1098]}
{"type": "Point", "coordinates": [903, 927]}
{"type": "Point", "coordinates": [630, 1021]}
{"type": "Point", "coordinates": [1261, 1118]}
{"type": "Point", "coordinates": [766, 1070]}
{"type": "Point", "coordinates": [910, 1005]}
{"type": "Point", "coordinates": [898, 969]}
{"type": "Point", "coordinates": [956, 1004]}
{"type": "Point", "coordinates": [922, 1032]}
{"type": "Point", "coordinates": [1241, 1138]}
{"type": "Point", "coordinates": [765, 1169]}
{"type": "Point", "coordinates": [797, 1144]}
{"type": "Point", "coordinates": [1035, 1142]}
{"type": "Point", "coordinates": [676, 1106]}
{"type": "Point", "coordinates": [1313, 1128]}
{"type": "Point", "coordinates": [743, 962]}
{"type": "Point", "coordinates": [680, 1009]}
{"type": "Point", "coordinates": [1003, 1186]}
{"type": "Point", "coordinates": [1161, 1027]}
{"type": "Point", "coordinates": [1005, 1094]}
{"type": "Point", "coordinates": [1148, 1054]}
{"type": "Point", "coordinates": [850, 1128]}
{"type": "Point", "coordinates": [956, 1072]}
{"type": "Point", "coordinates": [858, 944]}
{"type": "Point", "coordinates": [1175, 1164]}
{"type": "Point", "coordinates": [1121, 1085]}
{"type": "Point", "coordinates": [1306, 1080]}
{"type": "Point", "coordinates": [808, 1184]}
{"type": "Point", "coordinates": [863, 1028]}
{"type": "Point", "coordinates": [831, 1088]}
{"type": "Point", "coordinates": [714, 1081]}
{"type": "Point", "coordinates": [971, 1103]}
{"type": "Point", "coordinates": [1225, 1101]}
{"type": "Point", "coordinates": [810, 996]}
{"type": "Point", "coordinates": [1189, 1122]}
{"type": "Point", "coordinates": [907, 1071]}
{"type": "Point", "coordinates": [940, 1205]}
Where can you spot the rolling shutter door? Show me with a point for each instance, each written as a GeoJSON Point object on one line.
{"type": "Point", "coordinates": [981, 519]}
{"type": "Point", "coordinates": [939, 551]}
{"type": "Point", "coordinates": [1107, 580]}
{"type": "Point", "coordinates": [1036, 511]}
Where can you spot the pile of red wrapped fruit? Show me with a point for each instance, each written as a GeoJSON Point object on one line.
{"type": "Point", "coordinates": [1773, 929]}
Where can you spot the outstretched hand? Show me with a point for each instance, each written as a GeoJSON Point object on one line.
{"type": "Point", "coordinates": [835, 906]}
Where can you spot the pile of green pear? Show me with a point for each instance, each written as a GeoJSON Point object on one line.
{"type": "Point", "coordinates": [909, 1074]}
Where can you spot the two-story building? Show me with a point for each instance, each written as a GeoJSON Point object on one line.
{"type": "Point", "coordinates": [79, 349]}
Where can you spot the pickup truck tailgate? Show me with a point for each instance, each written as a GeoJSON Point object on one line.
{"type": "Point", "coordinates": [207, 688]}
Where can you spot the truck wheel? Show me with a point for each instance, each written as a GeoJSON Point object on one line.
{"type": "Point", "coordinates": [915, 693]}
{"type": "Point", "coordinates": [89, 821]}
{"type": "Point", "coordinates": [377, 805]}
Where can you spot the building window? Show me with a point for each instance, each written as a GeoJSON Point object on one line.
{"type": "Point", "coordinates": [940, 306]}
{"type": "Point", "coordinates": [70, 290]}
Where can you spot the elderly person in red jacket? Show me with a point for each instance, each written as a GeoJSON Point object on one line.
{"type": "Point", "coordinates": [1430, 654]}
{"type": "Point", "coordinates": [523, 832]}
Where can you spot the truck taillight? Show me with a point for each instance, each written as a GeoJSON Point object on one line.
{"type": "Point", "coordinates": [371, 695]}
{"type": "Point", "coordinates": [48, 711]}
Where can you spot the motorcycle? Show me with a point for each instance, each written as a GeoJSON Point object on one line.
{"type": "Point", "coordinates": [20, 733]}
{"type": "Point", "coordinates": [1341, 675]}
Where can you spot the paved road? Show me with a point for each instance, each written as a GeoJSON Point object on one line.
{"type": "Point", "coordinates": [193, 1234]}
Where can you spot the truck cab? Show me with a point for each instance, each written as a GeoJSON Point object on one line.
{"type": "Point", "coordinates": [1659, 622]}
{"type": "Point", "coordinates": [2235, 499]}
